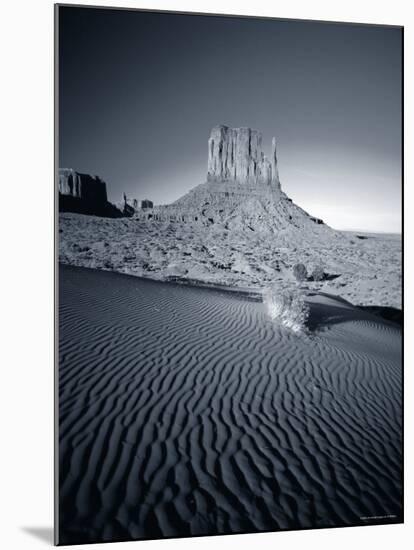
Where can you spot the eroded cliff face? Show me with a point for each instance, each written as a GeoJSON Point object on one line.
{"type": "Point", "coordinates": [235, 154]}
{"type": "Point", "coordinates": [82, 186]}
{"type": "Point", "coordinates": [84, 194]}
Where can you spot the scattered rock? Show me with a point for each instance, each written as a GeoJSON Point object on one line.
{"type": "Point", "coordinates": [299, 272]}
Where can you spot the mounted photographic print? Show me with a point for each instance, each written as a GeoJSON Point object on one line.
{"type": "Point", "coordinates": [229, 280]}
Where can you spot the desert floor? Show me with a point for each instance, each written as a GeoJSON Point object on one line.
{"type": "Point", "coordinates": [365, 269]}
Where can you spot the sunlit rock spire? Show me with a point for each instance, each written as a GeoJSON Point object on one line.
{"type": "Point", "coordinates": [235, 154]}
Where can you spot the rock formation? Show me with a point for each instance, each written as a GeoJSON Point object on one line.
{"type": "Point", "coordinates": [145, 203]}
{"type": "Point", "coordinates": [84, 194]}
{"type": "Point", "coordinates": [131, 206]}
{"type": "Point", "coordinates": [235, 154]}
{"type": "Point", "coordinates": [242, 191]}
{"type": "Point", "coordinates": [82, 186]}
{"type": "Point", "coordinates": [128, 206]}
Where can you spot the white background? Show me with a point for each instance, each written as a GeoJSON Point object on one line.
{"type": "Point", "coordinates": [26, 275]}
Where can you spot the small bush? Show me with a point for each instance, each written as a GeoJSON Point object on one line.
{"type": "Point", "coordinates": [287, 308]}
{"type": "Point", "coordinates": [318, 273]}
{"type": "Point", "coordinates": [299, 272]}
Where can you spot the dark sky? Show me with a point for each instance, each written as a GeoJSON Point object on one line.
{"type": "Point", "coordinates": [139, 93]}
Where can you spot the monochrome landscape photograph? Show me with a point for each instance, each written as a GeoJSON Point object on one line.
{"type": "Point", "coordinates": [229, 280]}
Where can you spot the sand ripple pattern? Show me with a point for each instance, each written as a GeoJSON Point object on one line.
{"type": "Point", "coordinates": [186, 411]}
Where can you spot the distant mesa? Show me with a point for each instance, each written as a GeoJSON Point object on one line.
{"type": "Point", "coordinates": [82, 186]}
{"type": "Point", "coordinates": [131, 206]}
{"type": "Point", "coordinates": [82, 191]}
{"type": "Point", "coordinates": [84, 194]}
{"type": "Point", "coordinates": [145, 204]}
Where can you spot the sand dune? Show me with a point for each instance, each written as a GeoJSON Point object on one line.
{"type": "Point", "coordinates": [187, 411]}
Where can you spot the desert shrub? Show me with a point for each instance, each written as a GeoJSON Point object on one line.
{"type": "Point", "coordinates": [318, 273]}
{"type": "Point", "coordinates": [287, 308]}
{"type": "Point", "coordinates": [299, 272]}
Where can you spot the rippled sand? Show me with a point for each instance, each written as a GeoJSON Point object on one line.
{"type": "Point", "coordinates": [187, 411]}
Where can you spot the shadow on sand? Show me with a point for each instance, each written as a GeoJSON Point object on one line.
{"type": "Point", "coordinates": [331, 310]}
